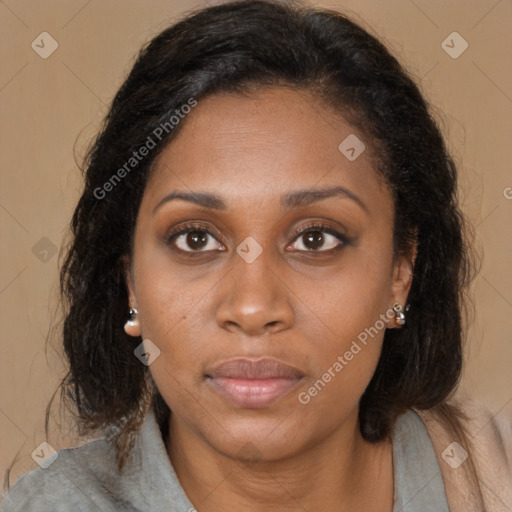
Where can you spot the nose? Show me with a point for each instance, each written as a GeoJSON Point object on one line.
{"type": "Point", "coordinates": [253, 298]}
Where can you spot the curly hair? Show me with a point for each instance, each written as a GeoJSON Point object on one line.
{"type": "Point", "coordinates": [238, 47]}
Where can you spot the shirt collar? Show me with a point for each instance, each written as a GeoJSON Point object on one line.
{"type": "Point", "coordinates": [149, 481]}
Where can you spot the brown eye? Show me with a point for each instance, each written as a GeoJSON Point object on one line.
{"type": "Point", "coordinates": [194, 239]}
{"type": "Point", "coordinates": [318, 239]}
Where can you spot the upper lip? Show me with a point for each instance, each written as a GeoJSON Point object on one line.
{"type": "Point", "coordinates": [263, 368]}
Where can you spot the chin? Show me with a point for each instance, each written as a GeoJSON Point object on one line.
{"type": "Point", "coordinates": [252, 439]}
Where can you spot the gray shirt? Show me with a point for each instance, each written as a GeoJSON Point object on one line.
{"type": "Point", "coordinates": [85, 479]}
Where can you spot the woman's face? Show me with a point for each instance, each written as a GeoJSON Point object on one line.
{"type": "Point", "coordinates": [254, 280]}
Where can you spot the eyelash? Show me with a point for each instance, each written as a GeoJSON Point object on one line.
{"type": "Point", "coordinates": [314, 226]}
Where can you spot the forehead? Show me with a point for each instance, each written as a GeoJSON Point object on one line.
{"type": "Point", "coordinates": [250, 147]}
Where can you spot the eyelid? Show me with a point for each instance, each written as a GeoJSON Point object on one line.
{"type": "Point", "coordinates": [320, 226]}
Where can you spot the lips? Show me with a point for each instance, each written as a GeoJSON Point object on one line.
{"type": "Point", "coordinates": [253, 383]}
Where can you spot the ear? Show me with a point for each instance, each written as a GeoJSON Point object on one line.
{"type": "Point", "coordinates": [132, 328]}
{"type": "Point", "coordinates": [403, 271]}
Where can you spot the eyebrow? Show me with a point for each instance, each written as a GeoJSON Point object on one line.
{"type": "Point", "coordinates": [294, 199]}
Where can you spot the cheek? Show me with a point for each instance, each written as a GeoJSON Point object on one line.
{"type": "Point", "coordinates": [347, 318]}
{"type": "Point", "coordinates": [171, 315]}
{"type": "Point", "coordinates": [345, 357]}
{"type": "Point", "coordinates": [351, 298]}
{"type": "Point", "coordinates": [169, 295]}
{"type": "Point", "coordinates": [174, 321]}
{"type": "Point", "coordinates": [181, 340]}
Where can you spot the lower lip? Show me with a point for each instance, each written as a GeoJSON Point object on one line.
{"type": "Point", "coordinates": [253, 393]}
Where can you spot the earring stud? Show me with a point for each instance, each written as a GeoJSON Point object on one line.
{"type": "Point", "coordinates": [399, 313]}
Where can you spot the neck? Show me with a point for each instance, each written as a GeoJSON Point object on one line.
{"type": "Point", "coordinates": [342, 472]}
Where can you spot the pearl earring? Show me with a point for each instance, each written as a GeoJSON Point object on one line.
{"type": "Point", "coordinates": [132, 322]}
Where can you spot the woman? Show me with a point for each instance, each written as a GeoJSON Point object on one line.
{"type": "Point", "coordinates": [265, 285]}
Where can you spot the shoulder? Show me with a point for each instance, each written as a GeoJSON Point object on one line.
{"type": "Point", "coordinates": [79, 479]}
{"type": "Point", "coordinates": [489, 451]}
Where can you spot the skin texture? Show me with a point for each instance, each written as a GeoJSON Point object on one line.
{"type": "Point", "coordinates": [302, 307]}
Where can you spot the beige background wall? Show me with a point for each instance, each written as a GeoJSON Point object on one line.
{"type": "Point", "coordinates": [47, 103]}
